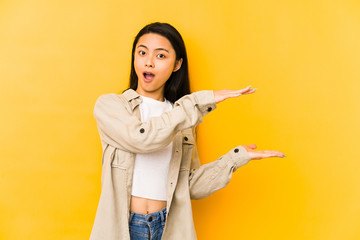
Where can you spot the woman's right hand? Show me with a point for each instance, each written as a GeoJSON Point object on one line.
{"type": "Point", "coordinates": [221, 95]}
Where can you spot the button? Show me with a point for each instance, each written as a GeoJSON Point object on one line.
{"type": "Point", "coordinates": [185, 138]}
{"type": "Point", "coordinates": [209, 109]}
{"type": "Point", "coordinates": [150, 219]}
{"type": "Point", "coordinates": [142, 130]}
{"type": "Point", "coordinates": [236, 150]}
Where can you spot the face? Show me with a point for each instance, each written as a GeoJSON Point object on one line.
{"type": "Point", "coordinates": [154, 62]}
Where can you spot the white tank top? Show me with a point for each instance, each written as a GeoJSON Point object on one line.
{"type": "Point", "coordinates": [151, 169]}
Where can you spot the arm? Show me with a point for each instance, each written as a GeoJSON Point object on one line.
{"type": "Point", "coordinates": [123, 130]}
{"type": "Point", "coordinates": [119, 127]}
{"type": "Point", "coordinates": [209, 178]}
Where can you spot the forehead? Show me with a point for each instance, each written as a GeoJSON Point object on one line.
{"type": "Point", "coordinates": [153, 41]}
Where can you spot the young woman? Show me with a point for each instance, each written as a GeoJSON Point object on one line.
{"type": "Point", "coordinates": [150, 166]}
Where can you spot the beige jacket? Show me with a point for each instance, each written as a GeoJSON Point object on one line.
{"type": "Point", "coordinates": [123, 135]}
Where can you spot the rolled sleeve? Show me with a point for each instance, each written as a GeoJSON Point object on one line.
{"type": "Point", "coordinates": [211, 177]}
{"type": "Point", "coordinates": [239, 157]}
{"type": "Point", "coordinates": [208, 101]}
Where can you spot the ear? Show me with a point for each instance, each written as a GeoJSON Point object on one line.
{"type": "Point", "coordinates": [178, 64]}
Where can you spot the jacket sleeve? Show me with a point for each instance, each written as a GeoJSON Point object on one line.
{"type": "Point", "coordinates": [120, 128]}
{"type": "Point", "coordinates": [209, 178]}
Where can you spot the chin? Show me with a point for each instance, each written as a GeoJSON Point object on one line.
{"type": "Point", "coordinates": [149, 90]}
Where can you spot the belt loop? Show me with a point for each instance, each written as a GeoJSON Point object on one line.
{"type": "Point", "coordinates": [131, 216]}
{"type": "Point", "coordinates": [162, 215]}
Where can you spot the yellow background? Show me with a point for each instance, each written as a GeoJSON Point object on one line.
{"type": "Point", "coordinates": [57, 57]}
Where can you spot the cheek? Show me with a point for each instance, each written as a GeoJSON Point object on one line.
{"type": "Point", "coordinates": [137, 64]}
{"type": "Point", "coordinates": [167, 68]}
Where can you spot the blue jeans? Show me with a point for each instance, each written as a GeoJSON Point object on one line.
{"type": "Point", "coordinates": [149, 226]}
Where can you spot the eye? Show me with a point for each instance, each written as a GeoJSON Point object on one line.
{"type": "Point", "coordinates": [141, 52]}
{"type": "Point", "coordinates": [161, 55]}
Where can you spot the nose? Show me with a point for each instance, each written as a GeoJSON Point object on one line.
{"type": "Point", "coordinates": [149, 62]}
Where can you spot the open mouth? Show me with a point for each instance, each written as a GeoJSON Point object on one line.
{"type": "Point", "coordinates": [148, 75]}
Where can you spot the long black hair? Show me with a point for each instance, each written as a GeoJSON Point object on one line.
{"type": "Point", "coordinates": [178, 84]}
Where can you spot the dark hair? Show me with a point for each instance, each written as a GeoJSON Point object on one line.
{"type": "Point", "coordinates": [178, 84]}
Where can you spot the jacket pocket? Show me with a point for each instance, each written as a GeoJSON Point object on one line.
{"type": "Point", "coordinates": [113, 165]}
{"type": "Point", "coordinates": [119, 173]}
{"type": "Point", "coordinates": [122, 159]}
{"type": "Point", "coordinates": [188, 143]}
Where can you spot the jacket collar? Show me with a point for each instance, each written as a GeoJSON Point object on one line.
{"type": "Point", "coordinates": [132, 97]}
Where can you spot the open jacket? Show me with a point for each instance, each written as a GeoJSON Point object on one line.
{"type": "Point", "coordinates": [123, 135]}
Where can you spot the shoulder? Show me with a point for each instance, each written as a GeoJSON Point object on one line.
{"type": "Point", "coordinates": [128, 100]}
{"type": "Point", "coordinates": [109, 100]}
{"type": "Point", "coordinates": [109, 97]}
{"type": "Point", "coordinates": [122, 98]}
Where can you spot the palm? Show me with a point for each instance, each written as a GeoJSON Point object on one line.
{"type": "Point", "coordinates": [221, 95]}
{"type": "Point", "coordinates": [256, 155]}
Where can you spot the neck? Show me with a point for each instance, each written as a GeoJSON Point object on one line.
{"type": "Point", "coordinates": [159, 96]}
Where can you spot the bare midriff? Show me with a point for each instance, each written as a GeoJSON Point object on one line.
{"type": "Point", "coordinates": [145, 205]}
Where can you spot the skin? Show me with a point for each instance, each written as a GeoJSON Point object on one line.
{"type": "Point", "coordinates": [155, 54]}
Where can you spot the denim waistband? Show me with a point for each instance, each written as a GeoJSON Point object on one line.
{"type": "Point", "coordinates": [155, 216]}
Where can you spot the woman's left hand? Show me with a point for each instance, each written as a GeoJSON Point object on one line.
{"type": "Point", "coordinates": [256, 155]}
{"type": "Point", "coordinates": [221, 95]}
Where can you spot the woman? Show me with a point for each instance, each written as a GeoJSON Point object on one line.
{"type": "Point", "coordinates": [150, 166]}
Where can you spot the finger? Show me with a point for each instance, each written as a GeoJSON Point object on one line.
{"type": "Point", "coordinates": [250, 91]}
{"type": "Point", "coordinates": [252, 146]}
{"type": "Point", "coordinates": [257, 155]}
{"type": "Point", "coordinates": [238, 93]}
{"type": "Point", "coordinates": [247, 91]}
{"type": "Point", "coordinates": [273, 154]}
{"type": "Point", "coordinates": [244, 90]}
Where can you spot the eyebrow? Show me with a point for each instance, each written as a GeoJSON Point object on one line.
{"type": "Point", "coordinates": [157, 49]}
